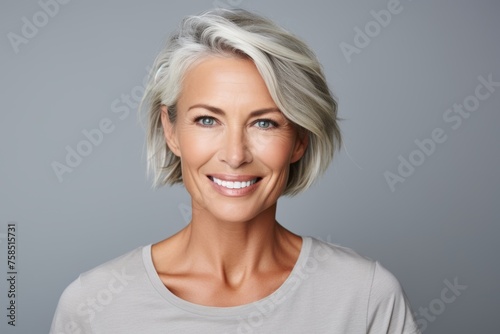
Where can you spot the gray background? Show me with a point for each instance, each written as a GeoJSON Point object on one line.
{"type": "Point", "coordinates": [440, 224]}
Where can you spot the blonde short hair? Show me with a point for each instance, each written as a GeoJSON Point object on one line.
{"type": "Point", "coordinates": [289, 68]}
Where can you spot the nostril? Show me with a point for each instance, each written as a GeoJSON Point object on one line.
{"type": "Point", "coordinates": [235, 157]}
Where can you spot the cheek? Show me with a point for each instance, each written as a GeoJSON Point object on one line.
{"type": "Point", "coordinates": [195, 145]}
{"type": "Point", "coordinates": [274, 150]}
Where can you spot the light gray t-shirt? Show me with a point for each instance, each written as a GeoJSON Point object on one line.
{"type": "Point", "coordinates": [331, 289]}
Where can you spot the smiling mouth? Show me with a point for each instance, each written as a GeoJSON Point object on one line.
{"type": "Point", "coordinates": [234, 184]}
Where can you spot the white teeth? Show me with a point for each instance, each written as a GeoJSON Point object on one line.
{"type": "Point", "coordinates": [235, 184]}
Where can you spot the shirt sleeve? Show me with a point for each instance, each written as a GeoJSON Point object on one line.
{"type": "Point", "coordinates": [388, 308]}
{"type": "Point", "coordinates": [72, 316]}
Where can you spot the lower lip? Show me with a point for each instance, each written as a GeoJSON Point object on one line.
{"type": "Point", "coordinates": [234, 192]}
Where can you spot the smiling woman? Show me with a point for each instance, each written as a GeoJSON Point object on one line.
{"type": "Point", "coordinates": [243, 170]}
{"type": "Point", "coordinates": [239, 112]}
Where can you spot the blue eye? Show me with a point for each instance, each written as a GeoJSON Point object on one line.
{"type": "Point", "coordinates": [265, 124]}
{"type": "Point", "coordinates": [205, 121]}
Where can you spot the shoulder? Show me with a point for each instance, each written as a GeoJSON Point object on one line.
{"type": "Point", "coordinates": [339, 259]}
{"type": "Point", "coordinates": [348, 280]}
{"type": "Point", "coordinates": [343, 263]}
{"type": "Point", "coordinates": [94, 289]}
{"type": "Point", "coordinates": [122, 269]}
{"type": "Point", "coordinates": [335, 273]}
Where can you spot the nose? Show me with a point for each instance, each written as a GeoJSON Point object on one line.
{"type": "Point", "coordinates": [235, 150]}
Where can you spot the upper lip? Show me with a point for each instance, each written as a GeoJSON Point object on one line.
{"type": "Point", "coordinates": [234, 178]}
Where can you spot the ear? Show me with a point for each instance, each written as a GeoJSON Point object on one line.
{"type": "Point", "coordinates": [300, 146]}
{"type": "Point", "coordinates": [169, 131]}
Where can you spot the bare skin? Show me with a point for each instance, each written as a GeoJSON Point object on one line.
{"type": "Point", "coordinates": [228, 266]}
{"type": "Point", "coordinates": [233, 252]}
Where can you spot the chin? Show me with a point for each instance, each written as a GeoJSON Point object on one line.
{"type": "Point", "coordinates": [237, 213]}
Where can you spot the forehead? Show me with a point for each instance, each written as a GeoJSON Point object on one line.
{"type": "Point", "coordinates": [225, 81]}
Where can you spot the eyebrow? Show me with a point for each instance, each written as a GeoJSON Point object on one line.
{"type": "Point", "coordinates": [219, 111]}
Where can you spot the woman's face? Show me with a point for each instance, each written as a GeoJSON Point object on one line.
{"type": "Point", "coordinates": [234, 143]}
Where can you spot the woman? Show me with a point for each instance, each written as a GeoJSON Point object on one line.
{"type": "Point", "coordinates": [240, 113]}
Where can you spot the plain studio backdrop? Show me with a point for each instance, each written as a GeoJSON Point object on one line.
{"type": "Point", "coordinates": [415, 185]}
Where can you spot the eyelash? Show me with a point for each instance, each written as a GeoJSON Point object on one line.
{"type": "Point", "coordinates": [198, 120]}
{"type": "Point", "coordinates": [272, 123]}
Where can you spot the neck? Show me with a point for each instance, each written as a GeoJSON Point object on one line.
{"type": "Point", "coordinates": [235, 250]}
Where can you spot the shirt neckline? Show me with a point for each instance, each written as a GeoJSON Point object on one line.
{"type": "Point", "coordinates": [230, 311]}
